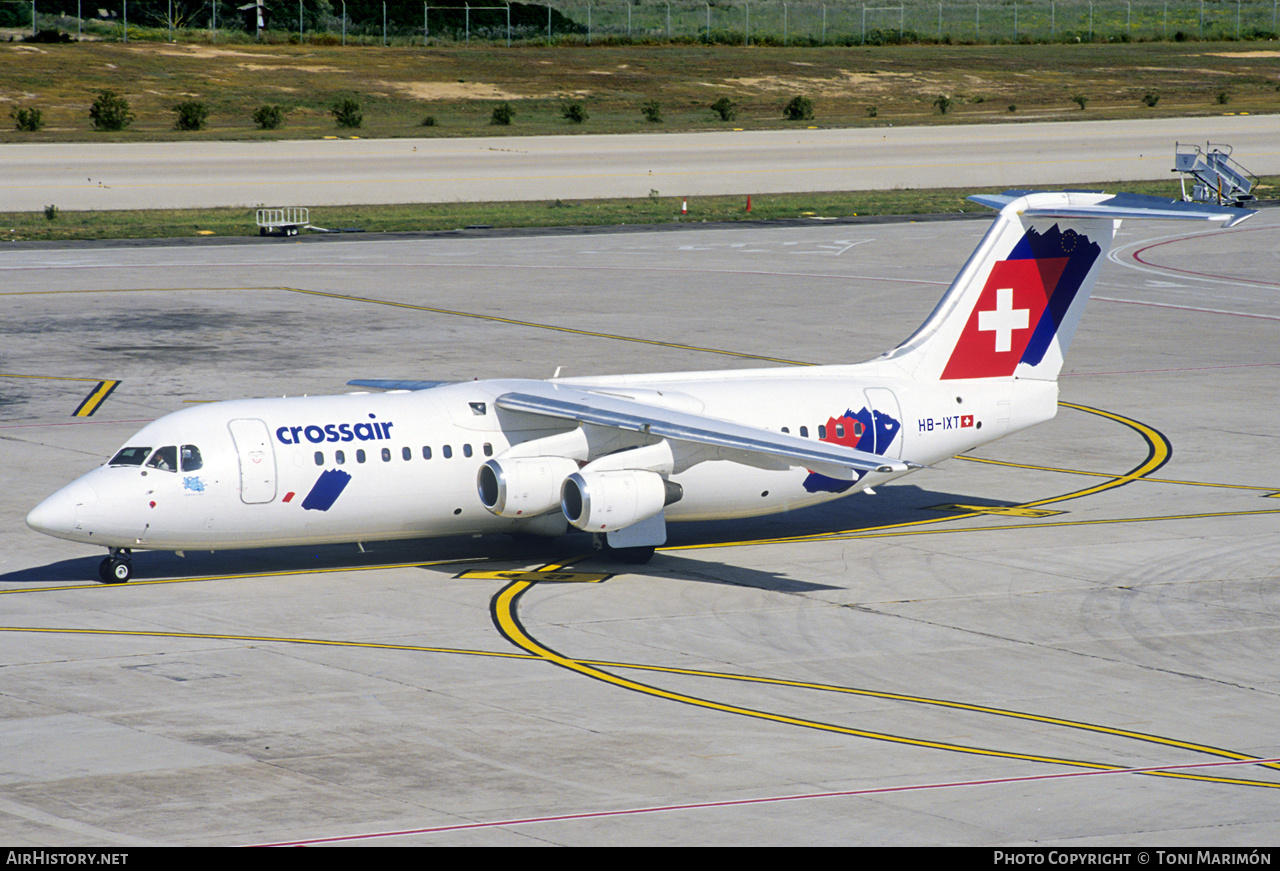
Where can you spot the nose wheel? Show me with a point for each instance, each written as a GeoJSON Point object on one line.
{"type": "Point", "coordinates": [116, 568]}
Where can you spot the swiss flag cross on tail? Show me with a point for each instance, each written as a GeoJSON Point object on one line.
{"type": "Point", "coordinates": [1007, 314]}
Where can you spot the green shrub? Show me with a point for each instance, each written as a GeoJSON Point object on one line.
{"type": "Point", "coordinates": [575, 113]}
{"type": "Point", "coordinates": [502, 114]}
{"type": "Point", "coordinates": [347, 113]}
{"type": "Point", "coordinates": [652, 112]}
{"type": "Point", "coordinates": [110, 111]}
{"type": "Point", "coordinates": [50, 37]}
{"type": "Point", "coordinates": [27, 120]}
{"type": "Point", "coordinates": [191, 115]}
{"type": "Point", "coordinates": [725, 108]}
{"type": "Point", "coordinates": [429, 121]}
{"type": "Point", "coordinates": [268, 117]}
{"type": "Point", "coordinates": [1149, 99]}
{"type": "Point", "coordinates": [50, 212]}
{"type": "Point", "coordinates": [799, 109]}
{"type": "Point", "coordinates": [943, 103]}
{"type": "Point", "coordinates": [1081, 100]}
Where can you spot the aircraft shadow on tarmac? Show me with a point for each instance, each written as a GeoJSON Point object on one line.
{"type": "Point", "coordinates": [893, 505]}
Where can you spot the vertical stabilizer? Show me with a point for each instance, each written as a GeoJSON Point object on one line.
{"type": "Point", "coordinates": [1014, 308]}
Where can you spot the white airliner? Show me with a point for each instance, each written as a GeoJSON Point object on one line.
{"type": "Point", "coordinates": [618, 456]}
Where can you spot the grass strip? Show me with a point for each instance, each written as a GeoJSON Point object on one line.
{"type": "Point", "coordinates": [434, 217]}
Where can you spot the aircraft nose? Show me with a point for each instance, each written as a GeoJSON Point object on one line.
{"type": "Point", "coordinates": [57, 514]}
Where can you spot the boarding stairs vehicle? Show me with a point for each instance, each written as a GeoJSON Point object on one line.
{"type": "Point", "coordinates": [1217, 178]}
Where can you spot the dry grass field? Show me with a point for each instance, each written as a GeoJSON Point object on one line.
{"type": "Point", "coordinates": [399, 87]}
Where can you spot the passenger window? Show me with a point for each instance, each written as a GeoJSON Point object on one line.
{"type": "Point", "coordinates": [804, 432]}
{"type": "Point", "coordinates": [360, 455]}
{"type": "Point", "coordinates": [165, 459]}
{"type": "Point", "coordinates": [822, 431]}
{"type": "Point", "coordinates": [447, 451]}
{"type": "Point", "coordinates": [319, 458]}
{"type": "Point", "coordinates": [191, 460]}
{"type": "Point", "coordinates": [839, 430]}
{"type": "Point", "coordinates": [386, 455]}
{"type": "Point", "coordinates": [339, 457]}
{"type": "Point", "coordinates": [488, 449]}
{"type": "Point", "coordinates": [406, 453]}
{"type": "Point", "coordinates": [426, 452]}
{"type": "Point", "coordinates": [787, 430]}
{"type": "Point", "coordinates": [466, 450]}
{"type": "Point", "coordinates": [130, 457]}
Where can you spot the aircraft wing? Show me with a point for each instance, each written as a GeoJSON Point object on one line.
{"type": "Point", "coordinates": [392, 384]}
{"type": "Point", "coordinates": [602, 409]}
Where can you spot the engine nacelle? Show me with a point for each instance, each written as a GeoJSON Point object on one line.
{"type": "Point", "coordinates": [604, 501]}
{"type": "Point", "coordinates": [523, 487]}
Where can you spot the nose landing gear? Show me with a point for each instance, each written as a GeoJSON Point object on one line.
{"type": "Point", "coordinates": [117, 568]}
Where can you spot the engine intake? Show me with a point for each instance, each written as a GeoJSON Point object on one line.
{"type": "Point", "coordinates": [603, 501]}
{"type": "Point", "coordinates": [524, 487]}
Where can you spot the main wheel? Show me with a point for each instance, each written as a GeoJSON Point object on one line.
{"type": "Point", "coordinates": [115, 570]}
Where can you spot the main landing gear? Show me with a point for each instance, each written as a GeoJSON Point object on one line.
{"type": "Point", "coordinates": [117, 568]}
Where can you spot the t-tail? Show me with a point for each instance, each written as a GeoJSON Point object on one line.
{"type": "Point", "coordinates": [1014, 308]}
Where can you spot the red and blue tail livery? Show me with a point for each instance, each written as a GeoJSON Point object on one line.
{"type": "Point", "coordinates": [1025, 300]}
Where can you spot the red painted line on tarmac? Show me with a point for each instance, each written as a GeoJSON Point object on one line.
{"type": "Point", "coordinates": [1137, 255]}
{"type": "Point", "coordinates": [1191, 308]}
{"type": "Point", "coordinates": [881, 790]}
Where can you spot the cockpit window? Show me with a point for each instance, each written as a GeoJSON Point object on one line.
{"type": "Point", "coordinates": [191, 458]}
{"type": "Point", "coordinates": [130, 457]}
{"type": "Point", "coordinates": [164, 459]}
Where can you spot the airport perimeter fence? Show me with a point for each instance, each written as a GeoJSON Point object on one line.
{"type": "Point", "coordinates": [734, 22]}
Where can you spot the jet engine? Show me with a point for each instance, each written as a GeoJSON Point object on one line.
{"type": "Point", "coordinates": [524, 486]}
{"type": "Point", "coordinates": [604, 501]}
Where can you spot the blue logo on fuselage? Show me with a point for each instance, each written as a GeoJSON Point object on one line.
{"type": "Point", "coordinates": [315, 433]}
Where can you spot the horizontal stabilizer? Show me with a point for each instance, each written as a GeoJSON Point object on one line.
{"type": "Point", "coordinates": [1096, 204]}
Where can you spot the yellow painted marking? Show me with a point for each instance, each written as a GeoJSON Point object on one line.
{"type": "Point", "coordinates": [504, 614]}
{"type": "Point", "coordinates": [90, 403]}
{"type": "Point", "coordinates": [1002, 510]}
{"type": "Point", "coordinates": [43, 377]}
{"type": "Point", "coordinates": [263, 639]}
{"type": "Point", "coordinates": [944, 703]}
{"type": "Point", "coordinates": [245, 576]}
{"type": "Point", "coordinates": [538, 577]}
{"type": "Point", "coordinates": [895, 530]}
{"type": "Point", "coordinates": [716, 675]}
{"type": "Point", "coordinates": [1148, 479]}
{"type": "Point", "coordinates": [95, 398]}
{"type": "Point", "coordinates": [540, 326]}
